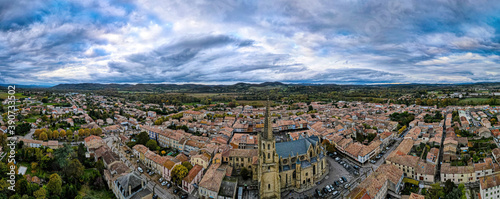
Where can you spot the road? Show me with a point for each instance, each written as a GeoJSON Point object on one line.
{"type": "Point", "coordinates": [440, 158]}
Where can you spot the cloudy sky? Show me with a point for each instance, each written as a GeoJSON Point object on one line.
{"type": "Point", "coordinates": [224, 42]}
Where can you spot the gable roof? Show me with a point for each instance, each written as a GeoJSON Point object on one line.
{"type": "Point", "coordinates": [300, 146]}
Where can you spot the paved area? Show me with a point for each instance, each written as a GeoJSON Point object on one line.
{"type": "Point", "coordinates": [336, 171]}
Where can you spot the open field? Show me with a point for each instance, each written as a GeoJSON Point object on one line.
{"type": "Point", "coordinates": [4, 95]}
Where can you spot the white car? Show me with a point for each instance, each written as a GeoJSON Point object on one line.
{"type": "Point", "coordinates": [139, 169]}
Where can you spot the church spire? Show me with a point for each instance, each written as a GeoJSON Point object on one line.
{"type": "Point", "coordinates": [268, 127]}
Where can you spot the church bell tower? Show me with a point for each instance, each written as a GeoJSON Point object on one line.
{"type": "Point", "coordinates": [268, 170]}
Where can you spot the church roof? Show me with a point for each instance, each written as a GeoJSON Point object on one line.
{"type": "Point", "coordinates": [296, 147]}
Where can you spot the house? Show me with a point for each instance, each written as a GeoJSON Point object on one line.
{"type": "Point", "coordinates": [131, 185]}
{"type": "Point", "coordinates": [202, 159]}
{"type": "Point", "coordinates": [239, 158]}
{"type": "Point", "coordinates": [432, 156]}
{"type": "Point", "coordinates": [194, 176]}
{"type": "Point", "coordinates": [386, 178]}
{"type": "Point", "coordinates": [140, 151]}
{"type": "Point", "coordinates": [168, 166]}
{"type": "Point", "coordinates": [210, 184]}
{"type": "Point", "coordinates": [489, 186]}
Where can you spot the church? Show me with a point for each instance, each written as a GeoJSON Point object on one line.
{"type": "Point", "coordinates": [294, 165]}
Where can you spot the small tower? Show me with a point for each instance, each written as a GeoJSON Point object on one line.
{"type": "Point", "coordinates": [269, 182]}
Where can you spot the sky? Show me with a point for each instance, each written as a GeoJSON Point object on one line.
{"type": "Point", "coordinates": [47, 42]}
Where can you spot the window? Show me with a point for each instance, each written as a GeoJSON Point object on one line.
{"type": "Point", "coordinates": [268, 186]}
{"type": "Point", "coordinates": [269, 155]}
{"type": "Point", "coordinates": [268, 146]}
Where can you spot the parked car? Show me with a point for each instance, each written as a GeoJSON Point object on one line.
{"type": "Point", "coordinates": [356, 173]}
{"type": "Point", "coordinates": [337, 183]}
{"type": "Point", "coordinates": [356, 166]}
{"type": "Point", "coordinates": [318, 193]}
{"type": "Point", "coordinates": [164, 183]}
{"type": "Point", "coordinates": [139, 169]}
{"type": "Point", "coordinates": [325, 190]}
{"type": "Point", "coordinates": [334, 153]}
{"type": "Point", "coordinates": [184, 196]}
{"type": "Point", "coordinates": [161, 179]}
{"type": "Point", "coordinates": [373, 161]}
{"type": "Point", "coordinates": [341, 181]}
{"type": "Point", "coordinates": [169, 185]}
{"type": "Point", "coordinates": [387, 148]}
{"type": "Point", "coordinates": [347, 186]}
{"type": "Point", "coordinates": [137, 161]}
{"type": "Point", "coordinates": [176, 191]}
{"type": "Point", "coordinates": [335, 193]}
{"type": "Point", "coordinates": [337, 159]}
{"type": "Point", "coordinates": [155, 196]}
{"type": "Point", "coordinates": [344, 179]}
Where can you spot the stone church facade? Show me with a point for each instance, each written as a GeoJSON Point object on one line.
{"type": "Point", "coordinates": [294, 165]}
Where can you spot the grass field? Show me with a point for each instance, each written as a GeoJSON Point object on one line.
{"type": "Point", "coordinates": [87, 192]}
{"type": "Point", "coordinates": [4, 95]}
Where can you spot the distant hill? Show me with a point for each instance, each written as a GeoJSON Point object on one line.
{"type": "Point", "coordinates": [249, 87]}
{"type": "Point", "coordinates": [168, 87]}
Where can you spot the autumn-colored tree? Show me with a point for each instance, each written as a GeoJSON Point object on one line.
{"type": "Point", "coordinates": [87, 132]}
{"type": "Point", "coordinates": [98, 131]}
{"type": "Point", "coordinates": [50, 135]}
{"type": "Point", "coordinates": [81, 133]}
{"type": "Point", "coordinates": [37, 132]}
{"type": "Point", "coordinates": [178, 173]}
{"type": "Point", "coordinates": [43, 136]}
{"type": "Point", "coordinates": [56, 134]}
{"type": "Point", "coordinates": [63, 133]}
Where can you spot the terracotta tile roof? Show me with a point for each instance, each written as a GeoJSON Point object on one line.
{"type": "Point", "coordinates": [489, 181]}
{"type": "Point", "coordinates": [446, 168]}
{"type": "Point", "coordinates": [213, 178]}
{"type": "Point", "coordinates": [192, 173]}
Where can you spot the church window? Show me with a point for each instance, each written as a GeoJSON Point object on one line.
{"type": "Point", "coordinates": [269, 155]}
{"type": "Point", "coordinates": [268, 146]}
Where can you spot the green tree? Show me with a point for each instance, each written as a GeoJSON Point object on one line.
{"type": "Point", "coordinates": [74, 170]}
{"type": "Point", "coordinates": [244, 173]}
{"type": "Point", "coordinates": [142, 138]}
{"type": "Point", "coordinates": [40, 193]}
{"type": "Point", "coordinates": [178, 173]}
{"type": "Point", "coordinates": [152, 145]}
{"type": "Point", "coordinates": [188, 165]}
{"type": "Point", "coordinates": [55, 184]}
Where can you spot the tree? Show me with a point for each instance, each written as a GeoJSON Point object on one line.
{"type": "Point", "coordinates": [178, 173]}
{"type": "Point", "coordinates": [55, 184]}
{"type": "Point", "coordinates": [63, 133]}
{"type": "Point", "coordinates": [98, 131]}
{"type": "Point", "coordinates": [188, 165]}
{"type": "Point", "coordinates": [34, 166]}
{"type": "Point", "coordinates": [244, 173]}
{"type": "Point", "coordinates": [81, 132]}
{"type": "Point", "coordinates": [43, 136]}
{"type": "Point", "coordinates": [142, 138]}
{"type": "Point", "coordinates": [448, 186]}
{"type": "Point", "coordinates": [40, 194]}
{"type": "Point", "coordinates": [74, 170]}
{"type": "Point", "coordinates": [152, 145]}
{"type": "Point", "coordinates": [87, 132]}
{"type": "Point", "coordinates": [99, 165]}
{"type": "Point", "coordinates": [56, 134]}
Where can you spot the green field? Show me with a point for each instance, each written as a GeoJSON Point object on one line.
{"type": "Point", "coordinates": [4, 95]}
